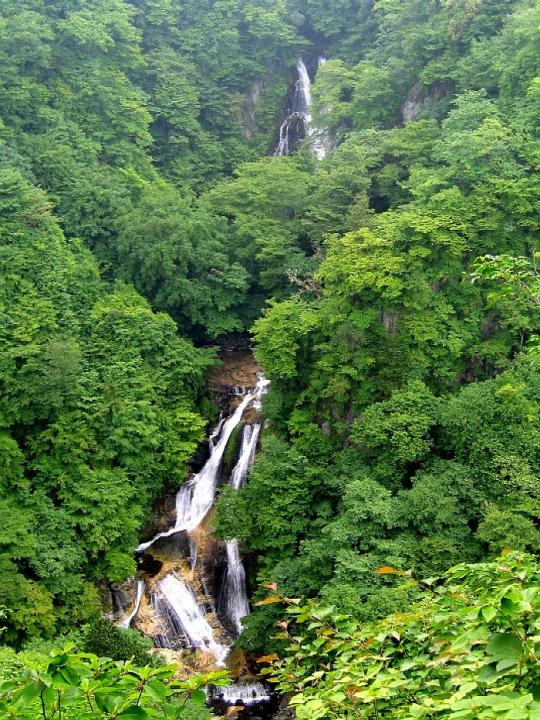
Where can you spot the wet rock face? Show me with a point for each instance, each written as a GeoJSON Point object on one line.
{"type": "Point", "coordinates": [420, 97]}
{"type": "Point", "coordinates": [167, 549]}
{"type": "Point", "coordinates": [122, 596]}
{"type": "Point", "coordinates": [413, 103]}
{"type": "Point", "coordinates": [284, 712]}
{"type": "Point", "coordinates": [238, 370]}
{"type": "Point", "coordinates": [149, 565]}
{"type": "Point", "coordinates": [162, 516]}
{"type": "Point", "coordinates": [266, 711]}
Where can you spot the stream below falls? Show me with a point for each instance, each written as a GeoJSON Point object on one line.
{"type": "Point", "coordinates": [190, 595]}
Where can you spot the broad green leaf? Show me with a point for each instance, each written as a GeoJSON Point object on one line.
{"type": "Point", "coordinates": [133, 712]}
{"type": "Point", "coordinates": [156, 690]}
{"type": "Point", "coordinates": [503, 646]}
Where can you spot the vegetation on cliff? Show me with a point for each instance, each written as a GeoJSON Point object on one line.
{"type": "Point", "coordinates": [391, 289]}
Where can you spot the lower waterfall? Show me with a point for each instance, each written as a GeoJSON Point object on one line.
{"type": "Point", "coordinates": [234, 588]}
{"type": "Point", "coordinates": [233, 591]}
{"type": "Point", "coordinates": [174, 602]}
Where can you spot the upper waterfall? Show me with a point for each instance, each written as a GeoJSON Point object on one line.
{"type": "Point", "coordinates": [299, 122]}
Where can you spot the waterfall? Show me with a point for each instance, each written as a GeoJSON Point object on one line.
{"type": "Point", "coordinates": [182, 618]}
{"type": "Point", "coordinates": [241, 470]}
{"type": "Point", "coordinates": [183, 603]}
{"type": "Point", "coordinates": [234, 587]}
{"type": "Point", "coordinates": [247, 694]}
{"type": "Point", "coordinates": [304, 90]}
{"type": "Point", "coordinates": [126, 622]}
{"type": "Point", "coordinates": [196, 497]}
{"type": "Point", "coordinates": [299, 122]}
{"type": "Point", "coordinates": [234, 598]}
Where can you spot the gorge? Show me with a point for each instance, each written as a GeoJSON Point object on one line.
{"type": "Point", "coordinates": [191, 592]}
{"type": "Point", "coordinates": [342, 196]}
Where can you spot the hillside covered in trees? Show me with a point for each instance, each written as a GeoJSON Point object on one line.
{"type": "Point", "coordinates": [390, 286]}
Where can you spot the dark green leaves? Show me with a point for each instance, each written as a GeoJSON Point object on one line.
{"type": "Point", "coordinates": [133, 712]}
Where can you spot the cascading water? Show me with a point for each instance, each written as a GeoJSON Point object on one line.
{"type": "Point", "coordinates": [299, 122]}
{"type": "Point", "coordinates": [250, 437]}
{"type": "Point", "coordinates": [183, 602]}
{"type": "Point", "coordinates": [234, 594]}
{"type": "Point", "coordinates": [126, 622]}
{"type": "Point", "coordinates": [234, 587]}
{"type": "Point", "coordinates": [196, 497]}
{"type": "Point", "coordinates": [184, 615]}
{"type": "Point", "coordinates": [247, 694]}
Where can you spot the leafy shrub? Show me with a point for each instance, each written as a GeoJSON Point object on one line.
{"type": "Point", "coordinates": [76, 686]}
{"type": "Point", "coordinates": [466, 650]}
{"type": "Point", "coordinates": [104, 638]}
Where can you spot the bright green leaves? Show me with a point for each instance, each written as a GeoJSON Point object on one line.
{"type": "Point", "coordinates": [133, 712]}
{"type": "Point", "coordinates": [362, 263]}
{"type": "Point", "coordinates": [514, 292]}
{"type": "Point", "coordinates": [368, 89]}
{"type": "Point", "coordinates": [280, 333]}
{"type": "Point", "coordinates": [466, 649]}
{"type": "Point", "coordinates": [85, 687]}
{"type": "Point", "coordinates": [98, 390]}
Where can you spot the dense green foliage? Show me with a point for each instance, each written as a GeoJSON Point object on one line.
{"type": "Point", "coordinates": [105, 639]}
{"type": "Point", "coordinates": [82, 686]}
{"type": "Point", "coordinates": [467, 648]}
{"type": "Point", "coordinates": [141, 210]}
{"type": "Point", "coordinates": [97, 416]}
{"type": "Point", "coordinates": [404, 412]}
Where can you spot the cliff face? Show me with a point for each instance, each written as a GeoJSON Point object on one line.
{"type": "Point", "coordinates": [238, 369]}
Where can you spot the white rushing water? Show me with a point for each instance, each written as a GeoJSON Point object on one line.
{"type": "Point", "coordinates": [300, 116]}
{"type": "Point", "coordinates": [250, 437]}
{"type": "Point", "coordinates": [196, 497]}
{"type": "Point", "coordinates": [234, 587]}
{"type": "Point", "coordinates": [126, 622]}
{"type": "Point", "coordinates": [234, 592]}
{"type": "Point", "coordinates": [182, 601]}
{"type": "Point", "coordinates": [247, 694]}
